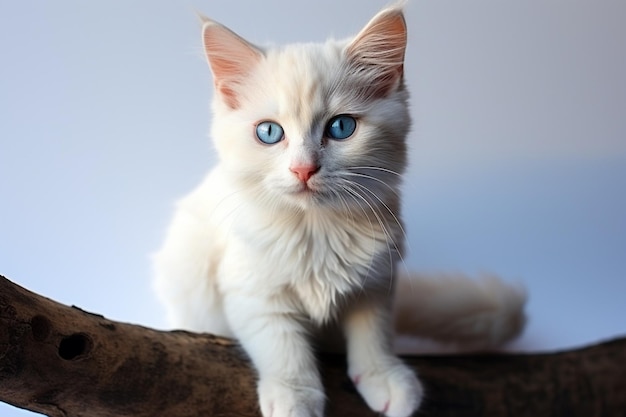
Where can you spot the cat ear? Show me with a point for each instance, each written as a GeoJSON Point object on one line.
{"type": "Point", "coordinates": [376, 54]}
{"type": "Point", "coordinates": [230, 57]}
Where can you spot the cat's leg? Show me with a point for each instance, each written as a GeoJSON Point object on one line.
{"type": "Point", "coordinates": [387, 385]}
{"type": "Point", "coordinates": [185, 274]}
{"type": "Point", "coordinates": [278, 344]}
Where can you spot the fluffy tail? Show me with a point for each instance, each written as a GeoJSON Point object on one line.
{"type": "Point", "coordinates": [455, 309]}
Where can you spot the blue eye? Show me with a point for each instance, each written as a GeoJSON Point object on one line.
{"type": "Point", "coordinates": [341, 127]}
{"type": "Point", "coordinates": [269, 132]}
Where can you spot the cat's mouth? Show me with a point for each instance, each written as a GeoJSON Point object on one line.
{"type": "Point", "coordinates": [310, 193]}
{"type": "Point", "coordinates": [307, 190]}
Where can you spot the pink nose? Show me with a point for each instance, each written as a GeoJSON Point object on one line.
{"type": "Point", "coordinates": [304, 172]}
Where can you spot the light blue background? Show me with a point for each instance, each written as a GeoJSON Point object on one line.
{"type": "Point", "coordinates": [518, 146]}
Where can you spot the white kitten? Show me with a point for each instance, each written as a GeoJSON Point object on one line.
{"type": "Point", "coordinates": [296, 233]}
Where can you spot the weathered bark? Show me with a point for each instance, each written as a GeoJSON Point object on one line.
{"type": "Point", "coordinates": [62, 361]}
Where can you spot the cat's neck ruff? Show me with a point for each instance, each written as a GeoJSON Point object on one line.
{"type": "Point", "coordinates": [320, 254]}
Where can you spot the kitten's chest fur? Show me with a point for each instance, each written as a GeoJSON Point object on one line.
{"type": "Point", "coordinates": [318, 257]}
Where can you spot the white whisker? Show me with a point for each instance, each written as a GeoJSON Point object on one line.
{"type": "Point", "coordinates": [395, 218]}
{"type": "Point", "coordinates": [349, 186]}
{"type": "Point", "coordinates": [373, 168]}
{"type": "Point", "coordinates": [354, 194]}
{"type": "Point", "coordinates": [370, 177]}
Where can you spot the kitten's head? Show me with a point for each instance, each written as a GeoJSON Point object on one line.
{"type": "Point", "coordinates": [313, 125]}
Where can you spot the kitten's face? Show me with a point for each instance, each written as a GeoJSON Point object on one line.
{"type": "Point", "coordinates": [311, 125]}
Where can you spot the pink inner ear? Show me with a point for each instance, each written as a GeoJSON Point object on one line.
{"type": "Point", "coordinates": [377, 52]}
{"type": "Point", "coordinates": [231, 59]}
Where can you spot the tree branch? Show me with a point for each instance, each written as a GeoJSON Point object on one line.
{"type": "Point", "coordinates": [64, 362]}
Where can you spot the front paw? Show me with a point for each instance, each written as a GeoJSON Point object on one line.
{"type": "Point", "coordinates": [284, 398]}
{"type": "Point", "coordinates": [392, 390]}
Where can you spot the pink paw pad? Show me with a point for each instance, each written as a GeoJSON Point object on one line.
{"type": "Point", "coordinates": [385, 408]}
{"type": "Point", "coordinates": [356, 379]}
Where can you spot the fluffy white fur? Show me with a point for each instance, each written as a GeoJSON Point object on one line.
{"type": "Point", "coordinates": [283, 262]}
